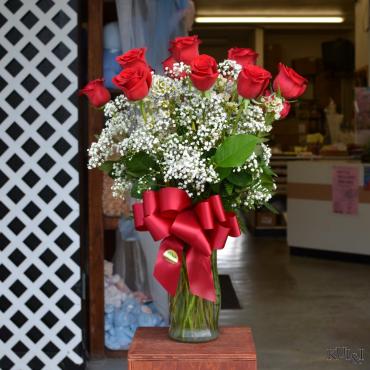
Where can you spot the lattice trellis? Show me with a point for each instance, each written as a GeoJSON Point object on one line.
{"type": "Point", "coordinates": [40, 309]}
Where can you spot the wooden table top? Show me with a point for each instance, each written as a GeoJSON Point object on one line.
{"type": "Point", "coordinates": [233, 342]}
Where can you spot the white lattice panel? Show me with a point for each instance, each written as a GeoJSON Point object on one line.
{"type": "Point", "coordinates": [40, 323]}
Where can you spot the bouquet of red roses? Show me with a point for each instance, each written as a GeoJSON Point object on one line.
{"type": "Point", "coordinates": [193, 144]}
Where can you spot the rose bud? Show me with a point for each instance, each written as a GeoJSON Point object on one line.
{"type": "Point", "coordinates": [168, 63]}
{"type": "Point", "coordinates": [285, 111]}
{"type": "Point", "coordinates": [290, 84]}
{"type": "Point", "coordinates": [185, 49]}
{"type": "Point", "coordinates": [253, 81]}
{"type": "Point", "coordinates": [242, 56]}
{"type": "Point", "coordinates": [135, 82]}
{"type": "Point", "coordinates": [96, 92]}
{"type": "Point", "coordinates": [132, 58]}
{"type": "Point", "coordinates": [204, 72]}
{"type": "Point", "coordinates": [168, 68]}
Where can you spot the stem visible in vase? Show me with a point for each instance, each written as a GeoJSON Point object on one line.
{"type": "Point", "coordinates": [194, 319]}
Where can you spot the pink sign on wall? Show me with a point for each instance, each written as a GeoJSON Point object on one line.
{"type": "Point", "coordinates": [345, 187]}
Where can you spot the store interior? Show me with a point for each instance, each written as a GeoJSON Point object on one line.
{"type": "Point", "coordinates": [77, 276]}
{"type": "Point", "coordinates": [299, 276]}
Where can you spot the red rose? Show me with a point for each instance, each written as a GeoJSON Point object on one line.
{"type": "Point", "coordinates": [285, 111]}
{"type": "Point", "coordinates": [242, 56]}
{"type": "Point", "coordinates": [290, 84]}
{"type": "Point", "coordinates": [185, 49]}
{"type": "Point", "coordinates": [135, 82]}
{"type": "Point", "coordinates": [204, 72]}
{"type": "Point", "coordinates": [253, 81]}
{"type": "Point", "coordinates": [96, 92]}
{"type": "Point", "coordinates": [132, 58]}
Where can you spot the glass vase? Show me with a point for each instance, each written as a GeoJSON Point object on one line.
{"type": "Point", "coordinates": [194, 319]}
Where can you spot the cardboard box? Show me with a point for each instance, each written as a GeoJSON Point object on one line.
{"type": "Point", "coordinates": [266, 219]}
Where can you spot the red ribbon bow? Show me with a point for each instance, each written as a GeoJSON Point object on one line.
{"type": "Point", "coordinates": [168, 214]}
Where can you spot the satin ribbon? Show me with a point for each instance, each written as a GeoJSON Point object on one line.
{"type": "Point", "coordinates": [168, 214]}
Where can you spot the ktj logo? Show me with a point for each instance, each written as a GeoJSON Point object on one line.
{"type": "Point", "coordinates": [347, 354]}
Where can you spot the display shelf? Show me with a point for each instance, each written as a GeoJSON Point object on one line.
{"type": "Point", "coordinates": [278, 227]}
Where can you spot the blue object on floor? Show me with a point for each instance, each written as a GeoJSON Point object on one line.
{"type": "Point", "coordinates": [122, 322]}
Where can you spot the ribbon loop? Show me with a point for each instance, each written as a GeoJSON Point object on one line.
{"type": "Point", "coordinates": [218, 208]}
{"type": "Point", "coordinates": [150, 202]}
{"type": "Point", "coordinates": [173, 201]}
{"type": "Point", "coordinates": [205, 215]}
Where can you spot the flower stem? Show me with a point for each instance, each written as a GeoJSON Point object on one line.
{"type": "Point", "coordinates": [234, 95]}
{"type": "Point", "coordinates": [142, 109]}
{"type": "Point", "coordinates": [243, 104]}
{"type": "Point", "coordinates": [194, 319]}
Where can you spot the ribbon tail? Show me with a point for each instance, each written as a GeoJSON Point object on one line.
{"type": "Point", "coordinates": [138, 210]}
{"type": "Point", "coordinates": [168, 273]}
{"type": "Point", "coordinates": [200, 275]}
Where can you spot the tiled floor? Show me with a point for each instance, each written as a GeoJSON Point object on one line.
{"type": "Point", "coordinates": [298, 307]}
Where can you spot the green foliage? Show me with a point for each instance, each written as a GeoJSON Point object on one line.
{"type": "Point", "coordinates": [107, 167]}
{"type": "Point", "coordinates": [242, 179]}
{"type": "Point", "coordinates": [228, 188]}
{"type": "Point", "coordinates": [270, 118]}
{"type": "Point", "coordinates": [140, 185]}
{"type": "Point", "coordinates": [271, 208]}
{"type": "Point", "coordinates": [223, 172]}
{"type": "Point", "coordinates": [216, 188]}
{"type": "Point", "coordinates": [140, 164]}
{"type": "Point", "coordinates": [268, 171]}
{"type": "Point", "coordinates": [235, 150]}
{"type": "Point", "coordinates": [227, 202]}
{"type": "Point", "coordinates": [241, 221]}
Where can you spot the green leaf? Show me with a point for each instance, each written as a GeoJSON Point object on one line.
{"type": "Point", "coordinates": [140, 164]}
{"type": "Point", "coordinates": [135, 191]}
{"type": "Point", "coordinates": [245, 105]}
{"type": "Point", "coordinates": [267, 181]}
{"type": "Point", "coordinates": [235, 150]}
{"type": "Point", "coordinates": [241, 221]}
{"type": "Point", "coordinates": [229, 188]}
{"type": "Point", "coordinates": [140, 185]}
{"type": "Point", "coordinates": [216, 187]}
{"type": "Point", "coordinates": [107, 167]}
{"type": "Point", "coordinates": [240, 178]}
{"type": "Point", "coordinates": [223, 172]}
{"type": "Point", "coordinates": [227, 203]}
{"type": "Point", "coordinates": [271, 208]}
{"type": "Point", "coordinates": [270, 118]}
{"type": "Point", "coordinates": [268, 171]}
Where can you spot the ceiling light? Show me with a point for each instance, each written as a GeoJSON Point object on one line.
{"type": "Point", "coordinates": [269, 19]}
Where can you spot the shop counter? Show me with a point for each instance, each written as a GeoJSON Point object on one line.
{"type": "Point", "coordinates": [314, 223]}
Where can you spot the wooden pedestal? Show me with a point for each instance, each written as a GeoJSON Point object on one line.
{"type": "Point", "coordinates": [153, 350]}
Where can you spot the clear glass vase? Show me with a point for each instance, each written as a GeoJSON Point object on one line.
{"type": "Point", "coordinates": [193, 319]}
